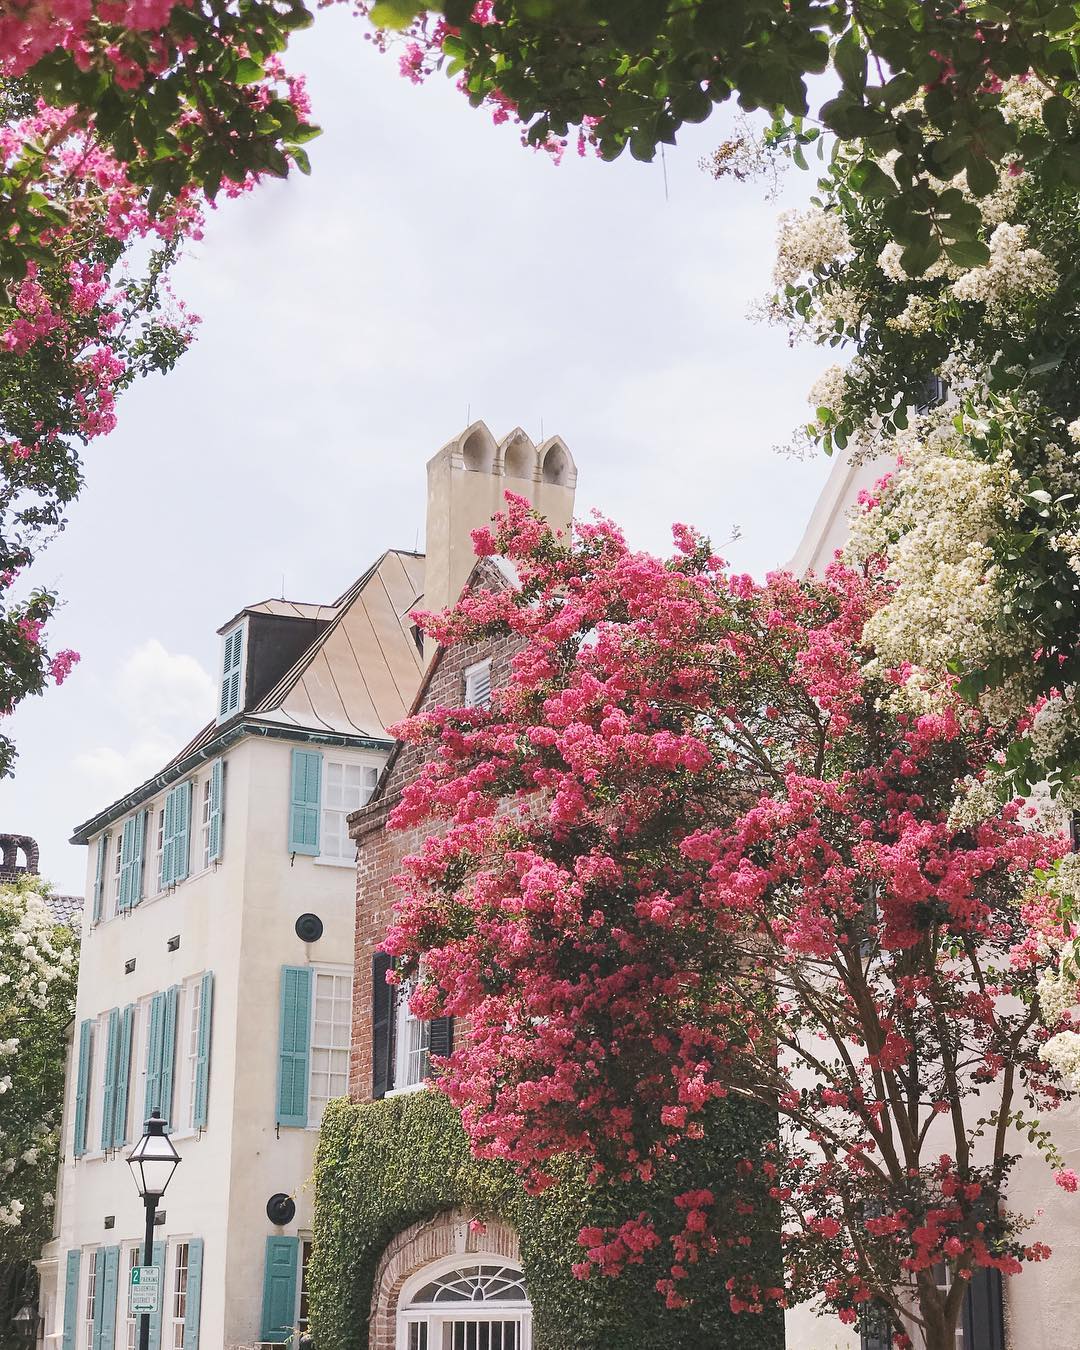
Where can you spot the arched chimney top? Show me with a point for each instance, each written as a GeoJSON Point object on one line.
{"type": "Point", "coordinates": [11, 845]}
{"type": "Point", "coordinates": [517, 455]}
{"type": "Point", "coordinates": [557, 463]}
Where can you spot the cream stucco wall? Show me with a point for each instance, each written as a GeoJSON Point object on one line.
{"type": "Point", "coordinates": [237, 920]}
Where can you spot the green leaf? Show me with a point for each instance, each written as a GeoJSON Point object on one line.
{"type": "Point", "coordinates": [968, 253]}
{"type": "Point", "coordinates": [395, 14]}
{"type": "Point", "coordinates": [869, 178]}
{"type": "Point", "coordinates": [248, 71]}
{"type": "Point", "coordinates": [982, 176]}
{"type": "Point", "coordinates": [850, 61]}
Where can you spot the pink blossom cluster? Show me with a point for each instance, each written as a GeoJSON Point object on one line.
{"type": "Point", "coordinates": [695, 852]}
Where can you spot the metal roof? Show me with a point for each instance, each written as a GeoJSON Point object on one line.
{"type": "Point", "coordinates": [356, 679]}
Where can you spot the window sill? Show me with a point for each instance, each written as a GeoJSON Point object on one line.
{"type": "Point", "coordinates": [335, 862]}
{"type": "Point", "coordinates": [403, 1091]}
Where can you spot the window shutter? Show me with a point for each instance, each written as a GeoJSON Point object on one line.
{"type": "Point", "coordinates": [99, 877]}
{"type": "Point", "coordinates": [441, 1036]}
{"type": "Point", "coordinates": [155, 1316]}
{"type": "Point", "coordinates": [71, 1300]}
{"type": "Point", "coordinates": [99, 1301]}
{"type": "Point", "coordinates": [135, 859]}
{"type": "Point", "coordinates": [194, 1294]}
{"type": "Point", "coordinates": [202, 1063]}
{"type": "Point", "coordinates": [983, 1316]}
{"type": "Point", "coordinates": [82, 1087]}
{"type": "Point", "coordinates": [230, 673]}
{"type": "Point", "coordinates": [152, 1101]}
{"type": "Point", "coordinates": [383, 998]}
{"type": "Point", "coordinates": [279, 1289]}
{"type": "Point", "coordinates": [217, 808]}
{"type": "Point", "coordinates": [105, 1303]}
{"type": "Point", "coordinates": [478, 685]}
{"type": "Point", "coordinates": [175, 841]}
{"type": "Point", "coordinates": [108, 1097]}
{"type": "Point", "coordinates": [127, 854]}
{"type": "Point", "coordinates": [168, 1053]}
{"type": "Point", "coordinates": [123, 1076]}
{"type": "Point", "coordinates": [304, 802]}
{"type": "Point", "coordinates": [292, 1100]}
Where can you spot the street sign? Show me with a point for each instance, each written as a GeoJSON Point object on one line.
{"type": "Point", "coordinates": [145, 1288]}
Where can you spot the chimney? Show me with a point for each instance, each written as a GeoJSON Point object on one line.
{"type": "Point", "coordinates": [467, 481]}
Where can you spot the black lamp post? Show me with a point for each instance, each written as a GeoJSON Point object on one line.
{"type": "Point", "coordinates": [153, 1160]}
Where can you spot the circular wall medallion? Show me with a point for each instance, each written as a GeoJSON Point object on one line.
{"type": "Point", "coordinates": [280, 1209]}
{"type": "Point", "coordinates": [309, 928]}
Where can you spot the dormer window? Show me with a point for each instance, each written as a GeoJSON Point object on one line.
{"type": "Point", "coordinates": [231, 666]}
{"type": "Point", "coordinates": [478, 685]}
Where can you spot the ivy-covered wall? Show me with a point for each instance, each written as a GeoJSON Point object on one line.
{"type": "Point", "coordinates": [385, 1165]}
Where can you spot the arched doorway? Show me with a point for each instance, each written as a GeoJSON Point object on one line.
{"type": "Point", "coordinates": [476, 1302]}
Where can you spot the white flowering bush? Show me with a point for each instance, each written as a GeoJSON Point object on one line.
{"type": "Point", "coordinates": [964, 369]}
{"type": "Point", "coordinates": [38, 973]}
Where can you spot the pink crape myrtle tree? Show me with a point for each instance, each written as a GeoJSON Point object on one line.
{"type": "Point", "coordinates": [703, 846]}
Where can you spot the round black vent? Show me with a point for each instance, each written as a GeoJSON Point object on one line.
{"type": "Point", "coordinates": [309, 928]}
{"type": "Point", "coordinates": [280, 1209]}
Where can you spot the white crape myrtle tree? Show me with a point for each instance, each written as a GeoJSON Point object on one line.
{"type": "Point", "coordinates": [978, 524]}
{"type": "Point", "coordinates": [38, 972]}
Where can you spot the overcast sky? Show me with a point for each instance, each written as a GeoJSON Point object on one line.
{"type": "Point", "coordinates": [430, 271]}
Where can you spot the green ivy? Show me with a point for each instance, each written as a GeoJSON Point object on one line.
{"type": "Point", "coordinates": [384, 1166]}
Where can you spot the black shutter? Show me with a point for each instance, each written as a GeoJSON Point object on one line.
{"type": "Point", "coordinates": [875, 1333]}
{"type": "Point", "coordinates": [383, 998]}
{"type": "Point", "coordinates": [984, 1321]}
{"type": "Point", "coordinates": [441, 1041]}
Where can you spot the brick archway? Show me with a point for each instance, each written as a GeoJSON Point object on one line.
{"type": "Point", "coordinates": [445, 1234]}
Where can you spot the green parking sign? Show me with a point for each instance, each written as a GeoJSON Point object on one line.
{"type": "Point", "coordinates": [145, 1289]}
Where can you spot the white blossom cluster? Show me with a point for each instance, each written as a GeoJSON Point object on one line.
{"type": "Point", "coordinates": [973, 803]}
{"type": "Point", "coordinates": [827, 391]}
{"type": "Point", "coordinates": [37, 987]}
{"type": "Point", "coordinates": [1051, 727]}
{"type": "Point", "coordinates": [1014, 271]}
{"type": "Point", "coordinates": [808, 239]}
{"type": "Point", "coordinates": [889, 262]}
{"type": "Point", "coordinates": [933, 524]}
{"type": "Point", "coordinates": [1062, 1052]}
{"type": "Point", "coordinates": [917, 317]}
{"type": "Point", "coordinates": [1022, 99]}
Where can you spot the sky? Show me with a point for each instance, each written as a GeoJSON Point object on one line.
{"type": "Point", "coordinates": [430, 272]}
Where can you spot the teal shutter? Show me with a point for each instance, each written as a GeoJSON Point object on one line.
{"type": "Point", "coordinates": [82, 1086]}
{"type": "Point", "coordinates": [168, 1054]}
{"type": "Point", "coordinates": [112, 1062]}
{"type": "Point", "coordinates": [194, 1294]}
{"type": "Point", "coordinates": [71, 1300]}
{"type": "Point", "coordinates": [99, 877]}
{"type": "Point", "coordinates": [176, 835]}
{"type": "Point", "coordinates": [231, 664]}
{"type": "Point", "coordinates": [105, 1303]}
{"type": "Point", "coordinates": [304, 802]}
{"type": "Point", "coordinates": [217, 808]}
{"type": "Point", "coordinates": [99, 1302]}
{"type": "Point", "coordinates": [202, 1064]}
{"type": "Point", "coordinates": [292, 1103]}
{"type": "Point", "coordinates": [123, 1076]}
{"type": "Point", "coordinates": [127, 854]}
{"type": "Point", "coordinates": [152, 1101]}
{"type": "Point", "coordinates": [155, 1316]}
{"type": "Point", "coordinates": [279, 1289]}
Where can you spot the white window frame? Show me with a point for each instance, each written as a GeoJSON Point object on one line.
{"type": "Point", "coordinates": [334, 819]}
{"type": "Point", "coordinates": [187, 1054]}
{"type": "Point", "coordinates": [88, 1303]}
{"type": "Point", "coordinates": [435, 1316]}
{"type": "Point", "coordinates": [335, 973]}
{"type": "Point", "coordinates": [177, 1296]}
{"type": "Point", "coordinates": [203, 798]}
{"type": "Point", "coordinates": [156, 827]}
{"type": "Point", "coordinates": [405, 1023]}
{"type": "Point", "coordinates": [130, 1257]}
{"type": "Point", "coordinates": [95, 1082]}
{"type": "Point", "coordinates": [140, 1031]}
{"type": "Point", "coordinates": [113, 880]}
{"type": "Point", "coordinates": [301, 1283]}
{"type": "Point", "coordinates": [477, 677]}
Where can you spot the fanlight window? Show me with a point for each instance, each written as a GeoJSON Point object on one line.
{"type": "Point", "coordinates": [475, 1284]}
{"type": "Point", "coordinates": [482, 1306]}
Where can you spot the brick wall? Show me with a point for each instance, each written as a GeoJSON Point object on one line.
{"type": "Point", "coordinates": [380, 850]}
{"type": "Point", "coordinates": [11, 845]}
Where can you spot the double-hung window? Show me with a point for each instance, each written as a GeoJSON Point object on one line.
{"type": "Point", "coordinates": [412, 1045]}
{"type": "Point", "coordinates": [178, 1298]}
{"type": "Point", "coordinates": [114, 894]}
{"type": "Point", "coordinates": [348, 788]}
{"type": "Point", "coordinates": [134, 1258]}
{"type": "Point", "coordinates": [206, 813]}
{"type": "Point", "coordinates": [90, 1299]}
{"type": "Point", "coordinates": [302, 1314]}
{"type": "Point", "coordinates": [330, 1026]}
{"type": "Point", "coordinates": [158, 817]}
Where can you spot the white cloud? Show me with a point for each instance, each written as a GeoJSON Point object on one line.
{"type": "Point", "coordinates": [162, 697]}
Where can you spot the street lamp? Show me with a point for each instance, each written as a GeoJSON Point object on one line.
{"type": "Point", "coordinates": [153, 1160]}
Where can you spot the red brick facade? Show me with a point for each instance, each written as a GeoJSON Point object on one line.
{"type": "Point", "coordinates": [380, 851]}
